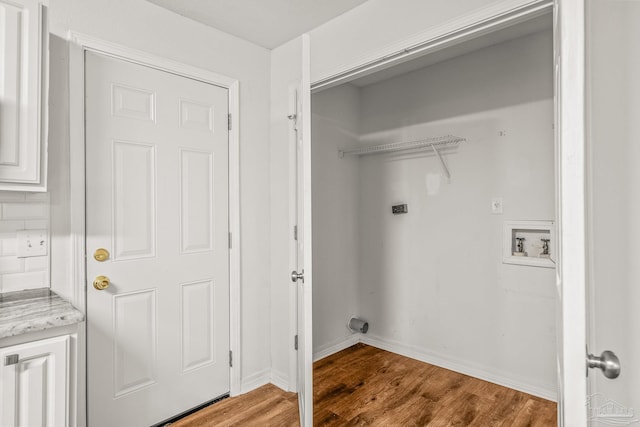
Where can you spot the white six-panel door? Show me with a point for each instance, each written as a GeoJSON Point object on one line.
{"type": "Point", "coordinates": [157, 201]}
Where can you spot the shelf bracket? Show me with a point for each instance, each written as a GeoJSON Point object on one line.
{"type": "Point", "coordinates": [444, 166]}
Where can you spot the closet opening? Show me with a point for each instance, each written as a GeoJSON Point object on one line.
{"type": "Point", "coordinates": [433, 188]}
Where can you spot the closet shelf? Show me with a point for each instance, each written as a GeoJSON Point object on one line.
{"type": "Point", "coordinates": [433, 143]}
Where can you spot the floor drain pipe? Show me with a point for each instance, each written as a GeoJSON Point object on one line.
{"type": "Point", "coordinates": [358, 325]}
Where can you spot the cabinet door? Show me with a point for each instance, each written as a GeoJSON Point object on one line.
{"type": "Point", "coordinates": [23, 90]}
{"type": "Point", "coordinates": [34, 383]}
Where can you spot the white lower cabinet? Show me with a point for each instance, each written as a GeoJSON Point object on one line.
{"type": "Point", "coordinates": [34, 383]}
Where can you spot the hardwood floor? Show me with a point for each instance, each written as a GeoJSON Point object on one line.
{"type": "Point", "coordinates": [265, 406]}
{"type": "Point", "coordinates": [366, 386]}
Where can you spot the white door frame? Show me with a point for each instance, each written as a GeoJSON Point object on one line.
{"type": "Point", "coordinates": [569, 37]}
{"type": "Point", "coordinates": [78, 45]}
{"type": "Point", "coordinates": [569, 28]}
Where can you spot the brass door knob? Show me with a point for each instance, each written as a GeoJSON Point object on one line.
{"type": "Point", "coordinates": [101, 283]}
{"type": "Point", "coordinates": [101, 255]}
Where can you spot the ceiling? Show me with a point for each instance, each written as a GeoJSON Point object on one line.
{"type": "Point", "coordinates": [268, 23]}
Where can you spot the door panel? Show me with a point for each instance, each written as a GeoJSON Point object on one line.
{"type": "Point", "coordinates": [613, 133]}
{"type": "Point", "coordinates": [134, 205]}
{"type": "Point", "coordinates": [294, 64]}
{"type": "Point", "coordinates": [196, 204]}
{"type": "Point", "coordinates": [305, 289]}
{"type": "Point", "coordinates": [198, 335]}
{"type": "Point", "coordinates": [157, 200]}
{"type": "Point", "coordinates": [135, 344]}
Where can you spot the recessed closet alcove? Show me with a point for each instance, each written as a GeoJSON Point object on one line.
{"type": "Point", "coordinates": [431, 281]}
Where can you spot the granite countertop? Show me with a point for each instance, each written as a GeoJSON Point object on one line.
{"type": "Point", "coordinates": [34, 310]}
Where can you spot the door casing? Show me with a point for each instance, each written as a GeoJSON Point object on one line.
{"type": "Point", "coordinates": [78, 45]}
{"type": "Point", "coordinates": [569, 103]}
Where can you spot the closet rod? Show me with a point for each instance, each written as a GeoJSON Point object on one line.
{"type": "Point", "coordinates": [434, 143]}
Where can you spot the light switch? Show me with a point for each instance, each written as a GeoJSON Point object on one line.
{"type": "Point", "coordinates": [32, 243]}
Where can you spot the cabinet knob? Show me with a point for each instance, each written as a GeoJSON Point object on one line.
{"type": "Point", "coordinates": [101, 283]}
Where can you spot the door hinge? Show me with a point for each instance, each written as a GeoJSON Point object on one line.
{"type": "Point", "coordinates": [11, 359]}
{"type": "Point", "coordinates": [295, 342]}
{"type": "Point", "coordinates": [229, 121]}
{"type": "Point", "coordinates": [295, 232]}
{"type": "Point", "coordinates": [230, 359]}
{"type": "Point", "coordinates": [230, 241]}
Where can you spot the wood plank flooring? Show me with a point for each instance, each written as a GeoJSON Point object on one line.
{"type": "Point", "coordinates": [366, 386]}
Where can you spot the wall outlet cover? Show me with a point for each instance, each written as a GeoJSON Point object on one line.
{"type": "Point", "coordinates": [496, 205]}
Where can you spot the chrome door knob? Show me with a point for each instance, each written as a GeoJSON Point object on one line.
{"type": "Point", "coordinates": [608, 362]}
{"type": "Point", "coordinates": [295, 276]}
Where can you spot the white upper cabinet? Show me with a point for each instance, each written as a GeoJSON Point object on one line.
{"type": "Point", "coordinates": [23, 95]}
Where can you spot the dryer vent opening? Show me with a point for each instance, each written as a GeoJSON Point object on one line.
{"type": "Point", "coordinates": [358, 325]}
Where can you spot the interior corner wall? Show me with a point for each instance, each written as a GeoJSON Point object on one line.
{"type": "Point", "coordinates": [143, 26]}
{"type": "Point", "coordinates": [432, 282]}
{"type": "Point", "coordinates": [286, 69]}
{"type": "Point", "coordinates": [336, 216]}
{"type": "Point", "coordinates": [380, 27]}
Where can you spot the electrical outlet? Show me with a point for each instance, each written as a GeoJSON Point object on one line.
{"type": "Point", "coordinates": [496, 205]}
{"type": "Point", "coordinates": [32, 243]}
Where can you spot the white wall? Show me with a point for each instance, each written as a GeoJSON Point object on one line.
{"type": "Point", "coordinates": [336, 215]}
{"type": "Point", "coordinates": [432, 283]}
{"type": "Point", "coordinates": [381, 27]}
{"type": "Point", "coordinates": [143, 26]}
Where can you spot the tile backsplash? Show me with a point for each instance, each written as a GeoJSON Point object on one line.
{"type": "Point", "coordinates": [22, 211]}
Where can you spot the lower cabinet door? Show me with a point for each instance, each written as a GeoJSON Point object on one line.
{"type": "Point", "coordinates": [34, 383]}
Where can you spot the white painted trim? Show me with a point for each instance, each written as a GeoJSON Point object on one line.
{"type": "Point", "coordinates": [545, 391]}
{"type": "Point", "coordinates": [77, 217]}
{"type": "Point", "coordinates": [336, 346]}
{"type": "Point", "coordinates": [235, 277]}
{"type": "Point", "coordinates": [148, 60]}
{"type": "Point", "coordinates": [467, 27]}
{"type": "Point", "coordinates": [264, 377]}
{"type": "Point", "coordinates": [569, 29]}
{"type": "Point", "coordinates": [78, 44]}
{"type": "Point", "coordinates": [280, 380]}
{"type": "Point", "coordinates": [255, 380]}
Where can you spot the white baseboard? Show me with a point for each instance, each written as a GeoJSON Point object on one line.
{"type": "Point", "coordinates": [335, 346]}
{"type": "Point", "coordinates": [280, 380]}
{"type": "Point", "coordinates": [544, 391]}
{"type": "Point", "coordinates": [266, 376]}
{"type": "Point", "coordinates": [255, 380]}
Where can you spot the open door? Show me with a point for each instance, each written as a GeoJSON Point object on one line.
{"type": "Point", "coordinates": [613, 211]}
{"type": "Point", "coordinates": [302, 275]}
{"type": "Point", "coordinates": [599, 130]}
